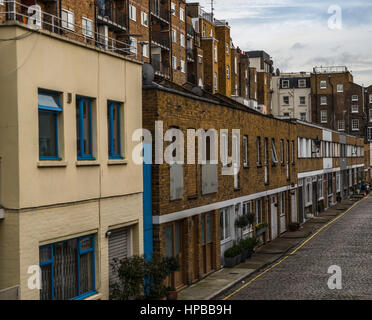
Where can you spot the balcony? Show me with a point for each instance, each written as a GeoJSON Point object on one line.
{"type": "Point", "coordinates": [108, 14]}
{"type": "Point", "coordinates": [158, 11]}
{"type": "Point", "coordinates": [190, 54]}
{"type": "Point", "coordinates": [160, 39]}
{"type": "Point", "coordinates": [36, 19]}
{"type": "Point", "coordinates": [160, 68]}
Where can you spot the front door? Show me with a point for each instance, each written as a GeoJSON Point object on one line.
{"type": "Point", "coordinates": [315, 198]}
{"type": "Point", "coordinates": [274, 217]}
{"type": "Point", "coordinates": [206, 227]}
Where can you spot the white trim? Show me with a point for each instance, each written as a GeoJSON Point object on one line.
{"type": "Point", "coordinates": [170, 217]}
{"type": "Point", "coordinates": [308, 174]}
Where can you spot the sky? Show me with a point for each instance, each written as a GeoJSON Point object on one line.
{"type": "Point", "coordinates": [300, 34]}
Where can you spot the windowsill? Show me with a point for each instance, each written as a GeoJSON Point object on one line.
{"type": "Point", "coordinates": [51, 163]}
{"type": "Point", "coordinates": [237, 189]}
{"type": "Point", "coordinates": [192, 197]}
{"type": "Point", "coordinates": [225, 241]}
{"type": "Point", "coordinates": [112, 162]}
{"type": "Point", "coordinates": [245, 166]}
{"type": "Point", "coordinates": [97, 296]}
{"type": "Point", "coordinates": [82, 163]}
{"type": "Point", "coordinates": [259, 165]}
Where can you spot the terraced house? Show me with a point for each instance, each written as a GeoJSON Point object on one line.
{"type": "Point", "coordinates": [70, 195]}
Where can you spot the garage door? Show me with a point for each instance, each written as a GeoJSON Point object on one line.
{"type": "Point", "coordinates": [119, 248]}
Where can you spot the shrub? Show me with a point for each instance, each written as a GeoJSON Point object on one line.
{"type": "Point", "coordinates": [233, 251]}
{"type": "Point", "coordinates": [249, 243]}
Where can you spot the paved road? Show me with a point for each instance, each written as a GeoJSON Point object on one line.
{"type": "Point", "coordinates": [346, 243]}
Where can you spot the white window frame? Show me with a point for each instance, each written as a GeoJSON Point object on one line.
{"type": "Point", "coordinates": [304, 99]}
{"type": "Point", "coordinates": [174, 35]}
{"type": "Point", "coordinates": [146, 51]}
{"type": "Point", "coordinates": [274, 156]}
{"type": "Point", "coordinates": [341, 125]}
{"type": "Point", "coordinates": [133, 45]}
{"type": "Point", "coordinates": [132, 12]}
{"type": "Point", "coordinates": [245, 151]}
{"type": "Point", "coordinates": [228, 72]}
{"type": "Point", "coordinates": [323, 101]}
{"type": "Point", "coordinates": [183, 66]}
{"type": "Point", "coordinates": [285, 84]}
{"type": "Point", "coordinates": [353, 126]}
{"type": "Point", "coordinates": [173, 9]}
{"type": "Point", "coordinates": [340, 87]}
{"type": "Point", "coordinates": [258, 205]}
{"type": "Point", "coordinates": [370, 101]}
{"type": "Point", "coordinates": [182, 14]}
{"type": "Point", "coordinates": [322, 113]}
{"type": "Point", "coordinates": [182, 40]}
{"type": "Point", "coordinates": [226, 230]}
{"type": "Point", "coordinates": [302, 83]}
{"type": "Point", "coordinates": [144, 19]}
{"type": "Point", "coordinates": [174, 62]}
{"type": "Point", "coordinates": [68, 23]}
{"type": "Point", "coordinates": [323, 84]}
{"type": "Point", "coordinates": [354, 108]}
{"type": "Point", "coordinates": [87, 29]}
{"type": "Point", "coordinates": [355, 98]}
{"type": "Point", "coordinates": [369, 133]}
{"type": "Point", "coordinates": [215, 54]}
{"type": "Point", "coordinates": [285, 103]}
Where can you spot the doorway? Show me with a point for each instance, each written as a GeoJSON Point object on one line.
{"type": "Point", "coordinates": [274, 217]}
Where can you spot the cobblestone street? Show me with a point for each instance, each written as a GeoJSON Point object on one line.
{"type": "Point", "coordinates": [346, 243]}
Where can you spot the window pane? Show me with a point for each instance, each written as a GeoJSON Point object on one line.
{"type": "Point", "coordinates": [209, 228]}
{"type": "Point", "coordinates": [178, 238]}
{"type": "Point", "coordinates": [86, 273]}
{"type": "Point", "coordinates": [46, 282]}
{"type": "Point", "coordinates": [65, 270]}
{"type": "Point", "coordinates": [45, 254]}
{"type": "Point", "coordinates": [168, 241]}
{"type": "Point", "coordinates": [48, 100]}
{"type": "Point", "coordinates": [222, 233]}
{"type": "Point", "coordinates": [116, 129]}
{"type": "Point", "coordinates": [227, 223]}
{"type": "Point", "coordinates": [47, 134]}
{"type": "Point", "coordinates": [86, 244]}
{"type": "Point", "coordinates": [86, 125]}
{"type": "Point", "coordinates": [78, 130]}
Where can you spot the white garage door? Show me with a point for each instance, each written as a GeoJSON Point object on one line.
{"type": "Point", "coordinates": [119, 248]}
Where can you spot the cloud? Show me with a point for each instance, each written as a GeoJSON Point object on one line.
{"type": "Point", "coordinates": [296, 33]}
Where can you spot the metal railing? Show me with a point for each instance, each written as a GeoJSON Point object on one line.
{"type": "Point", "coordinates": [107, 11]}
{"type": "Point", "coordinates": [207, 16]}
{"type": "Point", "coordinates": [160, 68]}
{"type": "Point", "coordinates": [332, 69]}
{"type": "Point", "coordinates": [161, 38]}
{"type": "Point", "coordinates": [159, 11]}
{"type": "Point", "coordinates": [36, 19]}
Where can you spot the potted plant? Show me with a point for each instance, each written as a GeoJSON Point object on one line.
{"type": "Point", "coordinates": [248, 246]}
{"type": "Point", "coordinates": [241, 222]}
{"type": "Point", "coordinates": [293, 226]}
{"type": "Point", "coordinates": [261, 228]}
{"type": "Point", "coordinates": [232, 256]}
{"type": "Point", "coordinates": [171, 293]}
{"type": "Point", "coordinates": [158, 269]}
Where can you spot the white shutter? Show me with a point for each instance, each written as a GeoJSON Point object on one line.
{"type": "Point", "coordinates": [119, 248]}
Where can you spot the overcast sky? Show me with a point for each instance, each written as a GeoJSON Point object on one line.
{"type": "Point", "coordinates": [297, 35]}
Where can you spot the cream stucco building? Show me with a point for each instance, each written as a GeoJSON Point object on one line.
{"type": "Point", "coordinates": [292, 95]}
{"type": "Point", "coordinates": [70, 193]}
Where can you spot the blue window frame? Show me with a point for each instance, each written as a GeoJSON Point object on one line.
{"type": "Point", "coordinates": [68, 269]}
{"type": "Point", "coordinates": [49, 111]}
{"type": "Point", "coordinates": [84, 129]}
{"type": "Point", "coordinates": [114, 130]}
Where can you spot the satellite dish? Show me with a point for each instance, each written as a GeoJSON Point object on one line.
{"type": "Point", "coordinates": [197, 91]}
{"type": "Point", "coordinates": [147, 74]}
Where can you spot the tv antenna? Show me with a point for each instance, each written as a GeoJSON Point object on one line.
{"type": "Point", "coordinates": [212, 7]}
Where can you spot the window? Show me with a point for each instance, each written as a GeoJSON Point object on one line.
{"type": "Point", "coordinates": [302, 83]}
{"type": "Point", "coordinates": [87, 26]}
{"type": "Point", "coordinates": [355, 109]}
{"type": "Point", "coordinates": [227, 49]}
{"type": "Point", "coordinates": [354, 98]}
{"type": "Point", "coordinates": [303, 116]}
{"type": "Point", "coordinates": [285, 84]}
{"type": "Point", "coordinates": [308, 192]}
{"type": "Point", "coordinates": [323, 84]}
{"type": "Point", "coordinates": [114, 130]}
{"type": "Point", "coordinates": [228, 72]}
{"type": "Point", "coordinates": [282, 151]}
{"type": "Point", "coordinates": [355, 124]}
{"type": "Point", "coordinates": [285, 100]}
{"type": "Point", "coordinates": [293, 151]}
{"type": "Point", "coordinates": [370, 98]}
{"type": "Point", "coordinates": [68, 19]}
{"type": "Point", "coordinates": [245, 151]}
{"type": "Point", "coordinates": [341, 125]}
{"type": "Point", "coordinates": [68, 269]}
{"type": "Point", "coordinates": [182, 14]}
{"type": "Point", "coordinates": [174, 35]}
{"type": "Point", "coordinates": [49, 114]}
{"type": "Point", "coordinates": [259, 218]}
{"type": "Point", "coordinates": [144, 19]}
{"type": "Point", "coordinates": [369, 134]}
{"type": "Point", "coordinates": [258, 150]}
{"type": "Point", "coordinates": [84, 129]}
{"type": "Point", "coordinates": [215, 81]}
{"type": "Point", "coordinates": [225, 224]}
{"type": "Point", "coordinates": [174, 62]}
{"type": "Point", "coordinates": [215, 54]}
{"type": "Point", "coordinates": [274, 156]}
{"type": "Point", "coordinates": [145, 50]}
{"type": "Point", "coordinates": [133, 45]}
{"type": "Point", "coordinates": [236, 65]}
{"type": "Point", "coordinates": [323, 100]}
{"type": "Point", "coordinates": [323, 116]}
{"type": "Point", "coordinates": [183, 69]}
{"type": "Point", "coordinates": [173, 8]}
{"type": "Point", "coordinates": [370, 115]}
{"type": "Point", "coordinates": [320, 187]}
{"type": "Point", "coordinates": [302, 100]}
{"type": "Point", "coordinates": [224, 149]}
{"type": "Point", "coordinates": [182, 40]}
{"type": "Point", "coordinates": [211, 33]}
{"type": "Point", "coordinates": [132, 12]}
{"type": "Point", "coordinates": [204, 29]}
{"type": "Point", "coordinates": [340, 88]}
{"type": "Point", "coordinates": [338, 184]}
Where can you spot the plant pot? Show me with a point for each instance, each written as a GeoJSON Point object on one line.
{"type": "Point", "coordinates": [249, 253]}
{"type": "Point", "coordinates": [244, 255]}
{"type": "Point", "coordinates": [261, 231]}
{"type": "Point", "coordinates": [238, 259]}
{"type": "Point", "coordinates": [172, 295]}
{"type": "Point", "coordinates": [230, 262]}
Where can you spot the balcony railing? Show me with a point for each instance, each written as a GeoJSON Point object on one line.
{"type": "Point", "coordinates": [160, 68]}
{"type": "Point", "coordinates": [159, 11]}
{"type": "Point", "coordinates": [160, 38]}
{"type": "Point", "coordinates": [107, 13]}
{"type": "Point", "coordinates": [36, 19]}
{"type": "Point", "coordinates": [190, 54]}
